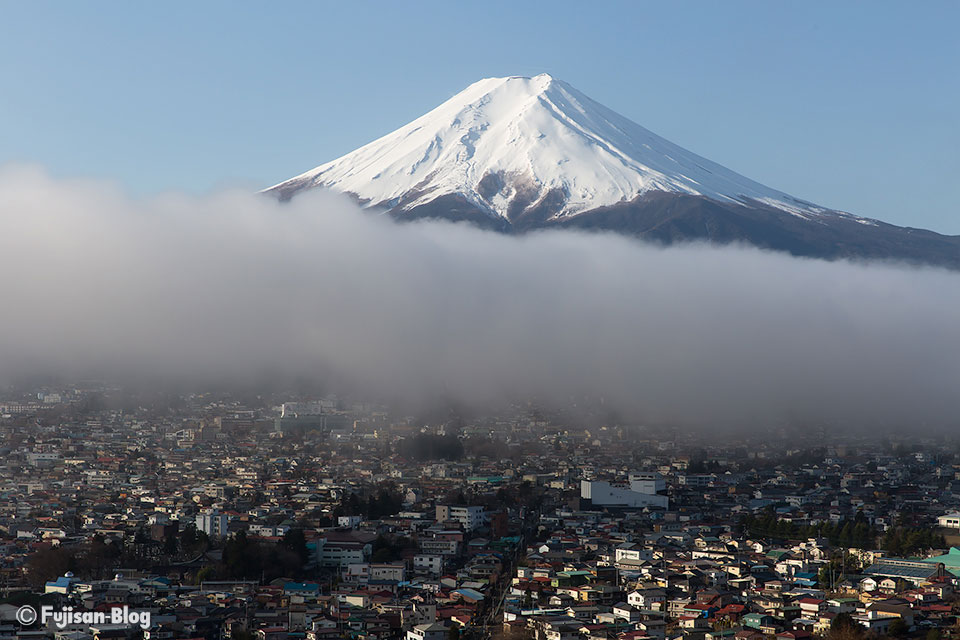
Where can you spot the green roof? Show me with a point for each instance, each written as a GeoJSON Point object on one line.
{"type": "Point", "coordinates": [951, 559]}
{"type": "Point", "coordinates": [754, 620]}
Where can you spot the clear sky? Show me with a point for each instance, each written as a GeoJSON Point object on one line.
{"type": "Point", "coordinates": [852, 105]}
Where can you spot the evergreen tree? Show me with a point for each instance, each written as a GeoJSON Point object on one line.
{"type": "Point", "coordinates": [296, 542]}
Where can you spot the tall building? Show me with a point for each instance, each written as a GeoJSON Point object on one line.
{"type": "Point", "coordinates": [470, 518]}
{"type": "Point", "coordinates": [645, 490]}
{"type": "Point", "coordinates": [213, 523]}
{"type": "Point", "coordinates": [649, 482]}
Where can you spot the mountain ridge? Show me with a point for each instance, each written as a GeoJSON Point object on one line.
{"type": "Point", "coordinates": [519, 153]}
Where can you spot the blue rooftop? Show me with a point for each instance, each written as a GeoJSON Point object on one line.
{"type": "Point", "coordinates": [62, 581]}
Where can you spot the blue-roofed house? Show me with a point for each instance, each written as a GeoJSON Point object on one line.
{"type": "Point", "coordinates": [470, 595]}
{"type": "Point", "coordinates": [308, 589]}
{"type": "Point", "coordinates": [62, 584]}
{"type": "Point", "coordinates": [805, 579]}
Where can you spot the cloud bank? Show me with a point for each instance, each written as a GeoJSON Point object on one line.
{"type": "Point", "coordinates": [233, 284]}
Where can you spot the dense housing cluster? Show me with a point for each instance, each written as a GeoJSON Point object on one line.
{"type": "Point", "coordinates": [285, 518]}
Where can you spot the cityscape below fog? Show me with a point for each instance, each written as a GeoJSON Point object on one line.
{"type": "Point", "coordinates": [281, 516]}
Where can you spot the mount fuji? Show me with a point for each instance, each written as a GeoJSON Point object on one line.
{"type": "Point", "coordinates": [517, 154]}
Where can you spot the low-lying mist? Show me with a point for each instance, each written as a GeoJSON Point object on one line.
{"type": "Point", "coordinates": [232, 285]}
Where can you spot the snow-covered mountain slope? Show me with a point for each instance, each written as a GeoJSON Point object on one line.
{"type": "Point", "coordinates": [507, 144]}
{"type": "Point", "coordinates": [520, 154]}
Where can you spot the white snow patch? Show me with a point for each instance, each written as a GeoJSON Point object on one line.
{"type": "Point", "coordinates": [541, 133]}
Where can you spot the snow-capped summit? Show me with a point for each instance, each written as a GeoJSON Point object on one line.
{"type": "Point", "coordinates": [512, 144]}
{"type": "Point", "coordinates": [517, 154]}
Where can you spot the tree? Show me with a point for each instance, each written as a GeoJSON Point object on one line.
{"type": "Point", "coordinates": [241, 557]}
{"type": "Point", "coordinates": [845, 535]}
{"type": "Point", "coordinates": [904, 541]}
{"type": "Point", "coordinates": [170, 545]}
{"type": "Point", "coordinates": [49, 563]}
{"type": "Point", "coordinates": [296, 542]}
{"type": "Point", "coordinates": [193, 541]}
{"type": "Point", "coordinates": [427, 446]}
{"type": "Point", "coordinates": [824, 577]}
{"type": "Point", "coordinates": [382, 555]}
{"type": "Point", "coordinates": [505, 496]}
{"type": "Point", "coordinates": [844, 627]}
{"type": "Point", "coordinates": [898, 628]}
{"type": "Point", "coordinates": [385, 549]}
{"type": "Point", "coordinates": [205, 574]}
{"type": "Point", "coordinates": [98, 557]}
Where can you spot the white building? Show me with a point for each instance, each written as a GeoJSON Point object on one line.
{"type": "Point", "coordinates": [648, 482]}
{"type": "Point", "coordinates": [313, 408]}
{"type": "Point", "coordinates": [388, 571]}
{"type": "Point", "coordinates": [632, 553]}
{"type": "Point", "coordinates": [432, 631]}
{"type": "Point", "coordinates": [701, 480]}
{"type": "Point", "coordinates": [268, 531]}
{"type": "Point", "coordinates": [428, 563]}
{"type": "Point", "coordinates": [470, 518]}
{"type": "Point", "coordinates": [342, 554]}
{"type": "Point", "coordinates": [435, 546]}
{"type": "Point", "coordinates": [213, 523]}
{"type": "Point", "coordinates": [42, 459]}
{"type": "Point", "coordinates": [375, 571]}
{"type": "Point", "coordinates": [348, 521]}
{"type": "Point", "coordinates": [949, 520]}
{"type": "Point", "coordinates": [641, 493]}
{"type": "Point", "coordinates": [651, 599]}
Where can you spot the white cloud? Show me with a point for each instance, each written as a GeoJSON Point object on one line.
{"type": "Point", "coordinates": [235, 284]}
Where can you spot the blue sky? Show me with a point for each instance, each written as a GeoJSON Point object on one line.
{"type": "Point", "coordinates": [852, 105]}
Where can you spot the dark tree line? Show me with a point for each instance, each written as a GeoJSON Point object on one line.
{"type": "Point", "coordinates": [897, 541]}
{"type": "Point", "coordinates": [249, 559]}
{"type": "Point", "coordinates": [242, 557]}
{"type": "Point", "coordinates": [99, 557]}
{"type": "Point", "coordinates": [428, 446]}
{"type": "Point", "coordinates": [855, 533]}
{"type": "Point", "coordinates": [701, 465]}
{"type": "Point", "coordinates": [387, 549]}
{"type": "Point", "coordinates": [385, 502]}
{"type": "Point", "coordinates": [905, 541]}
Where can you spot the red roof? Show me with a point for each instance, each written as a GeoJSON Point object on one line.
{"type": "Point", "coordinates": [937, 608]}
{"type": "Point", "coordinates": [731, 609]}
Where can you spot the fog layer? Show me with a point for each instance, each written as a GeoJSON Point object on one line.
{"type": "Point", "coordinates": [236, 284]}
